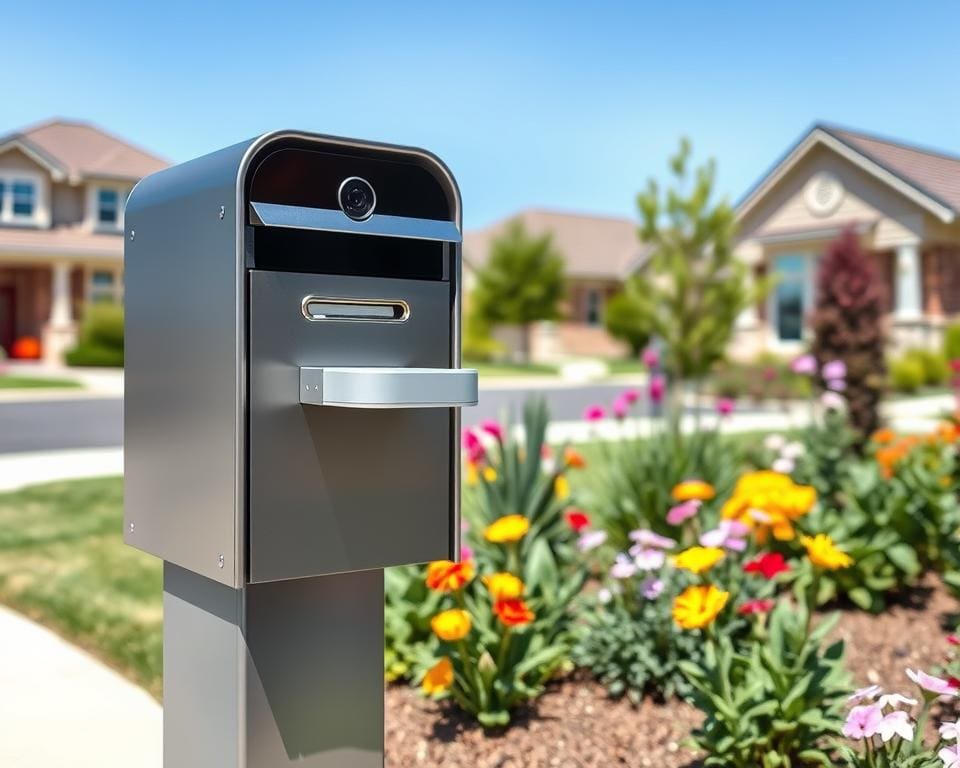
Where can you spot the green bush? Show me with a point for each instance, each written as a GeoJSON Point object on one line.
{"type": "Point", "coordinates": [906, 374]}
{"type": "Point", "coordinates": [936, 370]}
{"type": "Point", "coordinates": [951, 342]}
{"type": "Point", "coordinates": [101, 337]}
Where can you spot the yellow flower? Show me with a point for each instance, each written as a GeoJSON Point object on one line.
{"type": "Point", "coordinates": [507, 529]}
{"type": "Point", "coordinates": [769, 502]}
{"type": "Point", "coordinates": [452, 625]}
{"type": "Point", "coordinates": [696, 607]}
{"type": "Point", "coordinates": [504, 586]}
{"type": "Point", "coordinates": [561, 487]}
{"type": "Point", "coordinates": [693, 490]}
{"type": "Point", "coordinates": [473, 477]}
{"type": "Point", "coordinates": [698, 559]}
{"type": "Point", "coordinates": [489, 474]}
{"type": "Point", "coordinates": [438, 678]}
{"type": "Point", "coordinates": [823, 553]}
{"type": "Point", "coordinates": [447, 576]}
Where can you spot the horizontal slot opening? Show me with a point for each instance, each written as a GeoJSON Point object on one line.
{"type": "Point", "coordinates": [319, 308]}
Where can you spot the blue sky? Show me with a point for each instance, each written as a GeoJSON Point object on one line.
{"type": "Point", "coordinates": [560, 105]}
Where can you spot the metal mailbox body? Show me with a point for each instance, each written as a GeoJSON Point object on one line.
{"type": "Point", "coordinates": [282, 360]}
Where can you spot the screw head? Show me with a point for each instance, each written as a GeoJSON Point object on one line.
{"type": "Point", "coordinates": [223, 211]}
{"type": "Point", "coordinates": [133, 234]}
{"type": "Point", "coordinates": [132, 526]}
{"type": "Point", "coordinates": [220, 561]}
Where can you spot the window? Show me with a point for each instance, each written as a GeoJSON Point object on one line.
{"type": "Point", "coordinates": [18, 200]}
{"type": "Point", "coordinates": [593, 307]}
{"type": "Point", "coordinates": [104, 286]}
{"type": "Point", "coordinates": [793, 295]}
{"type": "Point", "coordinates": [24, 195]}
{"type": "Point", "coordinates": [108, 207]}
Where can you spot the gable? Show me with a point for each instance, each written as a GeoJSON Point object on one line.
{"type": "Point", "coordinates": [14, 159]}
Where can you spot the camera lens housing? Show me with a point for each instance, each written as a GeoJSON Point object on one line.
{"type": "Point", "coordinates": [357, 198]}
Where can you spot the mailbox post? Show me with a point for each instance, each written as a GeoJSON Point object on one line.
{"type": "Point", "coordinates": [291, 428]}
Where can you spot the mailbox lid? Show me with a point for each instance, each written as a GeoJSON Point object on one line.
{"type": "Point", "coordinates": [339, 489]}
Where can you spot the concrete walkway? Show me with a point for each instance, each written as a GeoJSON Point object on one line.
{"type": "Point", "coordinates": [18, 470]}
{"type": "Point", "coordinates": [60, 707]}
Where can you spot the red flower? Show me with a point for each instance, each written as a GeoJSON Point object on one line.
{"type": "Point", "coordinates": [752, 607]}
{"type": "Point", "coordinates": [954, 682]}
{"type": "Point", "coordinates": [577, 519]}
{"type": "Point", "coordinates": [514, 612]}
{"type": "Point", "coordinates": [769, 564]}
{"type": "Point", "coordinates": [953, 640]}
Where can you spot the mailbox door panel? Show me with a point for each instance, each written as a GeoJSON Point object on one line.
{"type": "Point", "coordinates": [336, 489]}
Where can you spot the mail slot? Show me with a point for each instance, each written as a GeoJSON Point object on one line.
{"type": "Point", "coordinates": [293, 363]}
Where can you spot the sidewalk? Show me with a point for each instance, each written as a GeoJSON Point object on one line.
{"type": "Point", "coordinates": [21, 469]}
{"type": "Point", "coordinates": [96, 383]}
{"type": "Point", "coordinates": [61, 707]}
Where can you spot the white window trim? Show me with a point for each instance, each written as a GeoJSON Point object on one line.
{"type": "Point", "coordinates": [791, 346]}
{"type": "Point", "coordinates": [91, 290]}
{"type": "Point", "coordinates": [41, 206]}
{"type": "Point", "coordinates": [93, 205]}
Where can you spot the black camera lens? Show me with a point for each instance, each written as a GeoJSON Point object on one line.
{"type": "Point", "coordinates": [357, 198]}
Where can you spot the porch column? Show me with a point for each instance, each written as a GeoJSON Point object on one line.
{"type": "Point", "coordinates": [61, 314]}
{"type": "Point", "coordinates": [908, 293]}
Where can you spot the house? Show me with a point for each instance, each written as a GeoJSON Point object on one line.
{"type": "Point", "coordinates": [63, 185]}
{"type": "Point", "coordinates": [599, 253]}
{"type": "Point", "coordinates": [903, 201]}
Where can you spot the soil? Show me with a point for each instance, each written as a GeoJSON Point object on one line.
{"type": "Point", "coordinates": [575, 725]}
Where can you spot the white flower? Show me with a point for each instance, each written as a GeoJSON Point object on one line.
{"type": "Point", "coordinates": [591, 540]}
{"type": "Point", "coordinates": [894, 700]}
{"type": "Point", "coordinates": [793, 450]}
{"type": "Point", "coordinates": [783, 465]}
{"type": "Point", "coordinates": [832, 401]}
{"type": "Point", "coordinates": [865, 694]}
{"type": "Point", "coordinates": [774, 442]}
{"type": "Point", "coordinates": [604, 595]}
{"type": "Point", "coordinates": [623, 568]}
{"type": "Point", "coordinates": [548, 465]}
{"type": "Point", "coordinates": [897, 723]}
{"type": "Point", "coordinates": [950, 731]}
{"type": "Point", "coordinates": [647, 559]}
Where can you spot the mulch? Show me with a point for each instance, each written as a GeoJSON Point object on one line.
{"type": "Point", "coordinates": [575, 725]}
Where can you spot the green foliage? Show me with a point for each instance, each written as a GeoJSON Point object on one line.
{"type": "Point", "coordinates": [776, 703]}
{"type": "Point", "coordinates": [409, 646]}
{"type": "Point", "coordinates": [848, 326]}
{"type": "Point", "coordinates": [478, 344]}
{"type": "Point", "coordinates": [692, 289]}
{"type": "Point", "coordinates": [522, 281]}
{"type": "Point", "coordinates": [951, 342]}
{"type": "Point", "coordinates": [906, 374]}
{"type": "Point", "coordinates": [763, 379]}
{"type": "Point", "coordinates": [936, 371]}
{"type": "Point", "coordinates": [101, 337]}
{"type": "Point", "coordinates": [625, 320]}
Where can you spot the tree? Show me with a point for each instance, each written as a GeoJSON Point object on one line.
{"type": "Point", "coordinates": [521, 283]}
{"type": "Point", "coordinates": [847, 323]}
{"type": "Point", "coordinates": [625, 320]}
{"type": "Point", "coordinates": [692, 289]}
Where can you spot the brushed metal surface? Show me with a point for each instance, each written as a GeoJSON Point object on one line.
{"type": "Point", "coordinates": [372, 387]}
{"type": "Point", "coordinates": [341, 489]}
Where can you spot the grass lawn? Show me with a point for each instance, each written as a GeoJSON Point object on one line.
{"type": "Point", "coordinates": [625, 366]}
{"type": "Point", "coordinates": [63, 563]}
{"type": "Point", "coordinates": [11, 381]}
{"type": "Point", "coordinates": [511, 369]}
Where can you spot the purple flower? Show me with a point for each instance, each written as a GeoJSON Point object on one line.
{"type": "Point", "coordinates": [651, 589]}
{"type": "Point", "coordinates": [631, 395]}
{"type": "Point", "coordinates": [650, 357]}
{"type": "Point", "coordinates": [594, 413]}
{"type": "Point", "coordinates": [683, 511]}
{"type": "Point", "coordinates": [623, 568]}
{"type": "Point", "coordinates": [646, 559]}
{"type": "Point", "coordinates": [591, 540]}
{"type": "Point", "coordinates": [869, 693]}
{"type": "Point", "coordinates": [650, 539]}
{"type": "Point", "coordinates": [725, 406]}
{"type": "Point", "coordinates": [620, 407]}
{"type": "Point", "coordinates": [837, 385]}
{"type": "Point", "coordinates": [835, 369]}
{"type": "Point", "coordinates": [932, 684]}
{"type": "Point", "coordinates": [805, 365]}
{"type": "Point", "coordinates": [658, 388]}
{"type": "Point", "coordinates": [862, 721]}
{"type": "Point", "coordinates": [897, 723]}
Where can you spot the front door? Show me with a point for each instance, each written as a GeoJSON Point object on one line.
{"type": "Point", "coordinates": [8, 314]}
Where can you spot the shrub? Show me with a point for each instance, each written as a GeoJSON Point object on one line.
{"type": "Point", "coordinates": [848, 329]}
{"type": "Point", "coordinates": [101, 337]}
{"type": "Point", "coordinates": [766, 378]}
{"type": "Point", "coordinates": [951, 342]}
{"type": "Point", "coordinates": [936, 370]}
{"type": "Point", "coordinates": [906, 374]}
{"type": "Point", "coordinates": [625, 320]}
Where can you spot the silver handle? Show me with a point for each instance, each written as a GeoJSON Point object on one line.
{"type": "Point", "coordinates": [389, 387]}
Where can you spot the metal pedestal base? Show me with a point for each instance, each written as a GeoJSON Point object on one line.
{"type": "Point", "coordinates": [273, 675]}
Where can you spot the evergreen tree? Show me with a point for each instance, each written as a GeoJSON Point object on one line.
{"type": "Point", "coordinates": [625, 320]}
{"type": "Point", "coordinates": [847, 324]}
{"type": "Point", "coordinates": [521, 283]}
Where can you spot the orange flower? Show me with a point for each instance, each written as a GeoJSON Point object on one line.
{"type": "Point", "coordinates": [883, 436]}
{"type": "Point", "coordinates": [447, 576]}
{"type": "Point", "coordinates": [438, 678]}
{"type": "Point", "coordinates": [513, 612]}
{"type": "Point", "coordinates": [947, 432]}
{"type": "Point", "coordinates": [693, 490]}
{"type": "Point", "coordinates": [574, 459]}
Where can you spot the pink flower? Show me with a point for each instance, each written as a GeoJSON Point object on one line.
{"type": "Point", "coordinates": [835, 369]}
{"type": "Point", "coordinates": [869, 693]}
{"type": "Point", "coordinates": [950, 731]}
{"type": "Point", "coordinates": [730, 534]}
{"type": "Point", "coordinates": [466, 553]}
{"type": "Point", "coordinates": [683, 511]}
{"type": "Point", "coordinates": [493, 428]}
{"type": "Point", "coordinates": [473, 446]}
{"type": "Point", "coordinates": [932, 684]}
{"type": "Point", "coordinates": [837, 385]}
{"type": "Point", "coordinates": [805, 365]}
{"type": "Point", "coordinates": [650, 357]}
{"type": "Point", "coordinates": [623, 568]}
{"type": "Point", "coordinates": [651, 589]}
{"type": "Point", "coordinates": [591, 540]}
{"type": "Point", "coordinates": [631, 395]}
{"type": "Point", "coordinates": [752, 607]}
{"type": "Point", "coordinates": [621, 407]}
{"type": "Point", "coordinates": [725, 406]}
{"type": "Point", "coordinates": [862, 721]}
{"type": "Point", "coordinates": [658, 388]}
{"type": "Point", "coordinates": [953, 640]}
{"type": "Point", "coordinates": [594, 413]}
{"type": "Point", "coordinates": [650, 539]}
{"type": "Point", "coordinates": [646, 559]}
{"type": "Point", "coordinates": [950, 756]}
{"type": "Point", "coordinates": [897, 723]}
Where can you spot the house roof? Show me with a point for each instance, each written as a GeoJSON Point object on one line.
{"type": "Point", "coordinates": [76, 150]}
{"type": "Point", "coordinates": [69, 241]}
{"type": "Point", "coordinates": [931, 178]}
{"type": "Point", "coordinates": [602, 247]}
